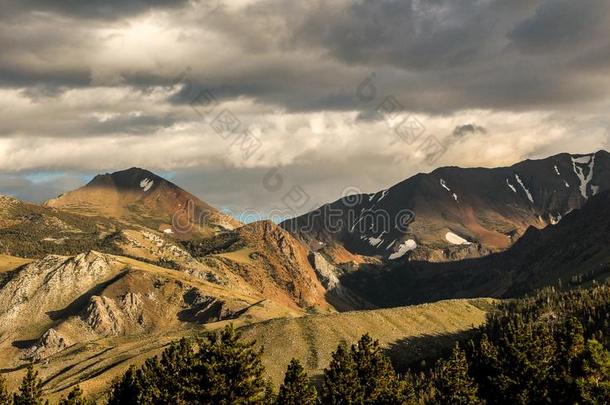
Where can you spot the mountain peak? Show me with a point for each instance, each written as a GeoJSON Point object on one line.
{"type": "Point", "coordinates": [138, 196]}
{"type": "Point", "coordinates": [132, 179]}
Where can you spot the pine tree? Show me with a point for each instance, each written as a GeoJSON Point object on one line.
{"type": "Point", "coordinates": [296, 389]}
{"type": "Point", "coordinates": [30, 391]}
{"type": "Point", "coordinates": [230, 371]}
{"type": "Point", "coordinates": [340, 384]}
{"type": "Point", "coordinates": [75, 397]}
{"type": "Point", "coordinates": [169, 380]}
{"type": "Point", "coordinates": [454, 385]}
{"type": "Point", "coordinates": [126, 390]}
{"type": "Point", "coordinates": [570, 346]}
{"type": "Point", "coordinates": [218, 369]}
{"type": "Point", "coordinates": [595, 385]}
{"type": "Point", "coordinates": [487, 367]}
{"type": "Point", "coordinates": [526, 357]}
{"type": "Point", "coordinates": [377, 379]}
{"type": "Point", "coordinates": [5, 396]}
{"type": "Point", "coordinates": [363, 375]}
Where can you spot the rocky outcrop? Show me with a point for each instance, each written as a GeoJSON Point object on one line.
{"type": "Point", "coordinates": [327, 273]}
{"type": "Point", "coordinates": [341, 297]}
{"type": "Point", "coordinates": [278, 265]}
{"type": "Point", "coordinates": [163, 252]}
{"type": "Point", "coordinates": [104, 316]}
{"type": "Point", "coordinates": [51, 283]}
{"type": "Point", "coordinates": [204, 309]}
{"type": "Point", "coordinates": [50, 342]}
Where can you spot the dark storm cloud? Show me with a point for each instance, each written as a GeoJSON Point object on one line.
{"type": "Point", "coordinates": [437, 56]}
{"type": "Point", "coordinates": [561, 25]}
{"type": "Point", "coordinates": [98, 9]}
{"type": "Point", "coordinates": [468, 129]}
{"type": "Point", "coordinates": [44, 82]}
{"type": "Point", "coordinates": [132, 124]}
{"type": "Point", "coordinates": [407, 34]}
{"type": "Point", "coordinates": [434, 56]}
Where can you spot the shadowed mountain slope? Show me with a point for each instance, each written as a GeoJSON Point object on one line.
{"type": "Point", "coordinates": [459, 212]}
{"type": "Point", "coordinates": [572, 252]}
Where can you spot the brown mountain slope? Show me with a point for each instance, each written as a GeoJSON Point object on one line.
{"type": "Point", "coordinates": [459, 212]}
{"type": "Point", "coordinates": [261, 257]}
{"type": "Point", "coordinates": [267, 258]}
{"type": "Point", "coordinates": [137, 196]}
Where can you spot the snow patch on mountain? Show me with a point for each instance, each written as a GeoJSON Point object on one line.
{"type": "Point", "coordinates": [375, 241]}
{"type": "Point", "coordinates": [444, 185]}
{"type": "Point", "coordinates": [511, 186]}
{"type": "Point", "coordinates": [381, 197]}
{"type": "Point", "coordinates": [455, 239]}
{"type": "Point", "coordinates": [583, 160]}
{"type": "Point", "coordinates": [403, 248]}
{"type": "Point", "coordinates": [146, 184]}
{"type": "Point", "coordinates": [527, 192]}
{"type": "Point", "coordinates": [579, 164]}
{"type": "Point", "coordinates": [383, 194]}
{"type": "Point", "coordinates": [555, 219]}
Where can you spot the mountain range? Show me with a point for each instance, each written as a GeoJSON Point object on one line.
{"type": "Point", "coordinates": [458, 212]}
{"type": "Point", "coordinates": [120, 267]}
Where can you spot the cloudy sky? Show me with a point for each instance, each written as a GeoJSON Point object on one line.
{"type": "Point", "coordinates": [253, 104]}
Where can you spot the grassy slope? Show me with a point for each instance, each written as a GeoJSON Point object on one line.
{"type": "Point", "coordinates": [8, 263]}
{"type": "Point", "coordinates": [312, 339]}
{"type": "Point", "coordinates": [409, 332]}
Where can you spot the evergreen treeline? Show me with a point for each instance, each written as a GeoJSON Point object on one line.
{"type": "Point", "coordinates": [550, 348]}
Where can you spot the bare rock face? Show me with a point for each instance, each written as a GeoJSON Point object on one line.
{"type": "Point", "coordinates": [50, 342]}
{"type": "Point", "coordinates": [151, 246]}
{"type": "Point", "coordinates": [327, 273]}
{"type": "Point", "coordinates": [50, 284]}
{"type": "Point", "coordinates": [104, 316]}
{"type": "Point", "coordinates": [341, 297]}
{"type": "Point", "coordinates": [7, 202]}
{"type": "Point", "coordinates": [109, 317]}
{"type": "Point", "coordinates": [286, 266]}
{"type": "Point", "coordinates": [269, 260]}
{"type": "Point", "coordinates": [132, 305]}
